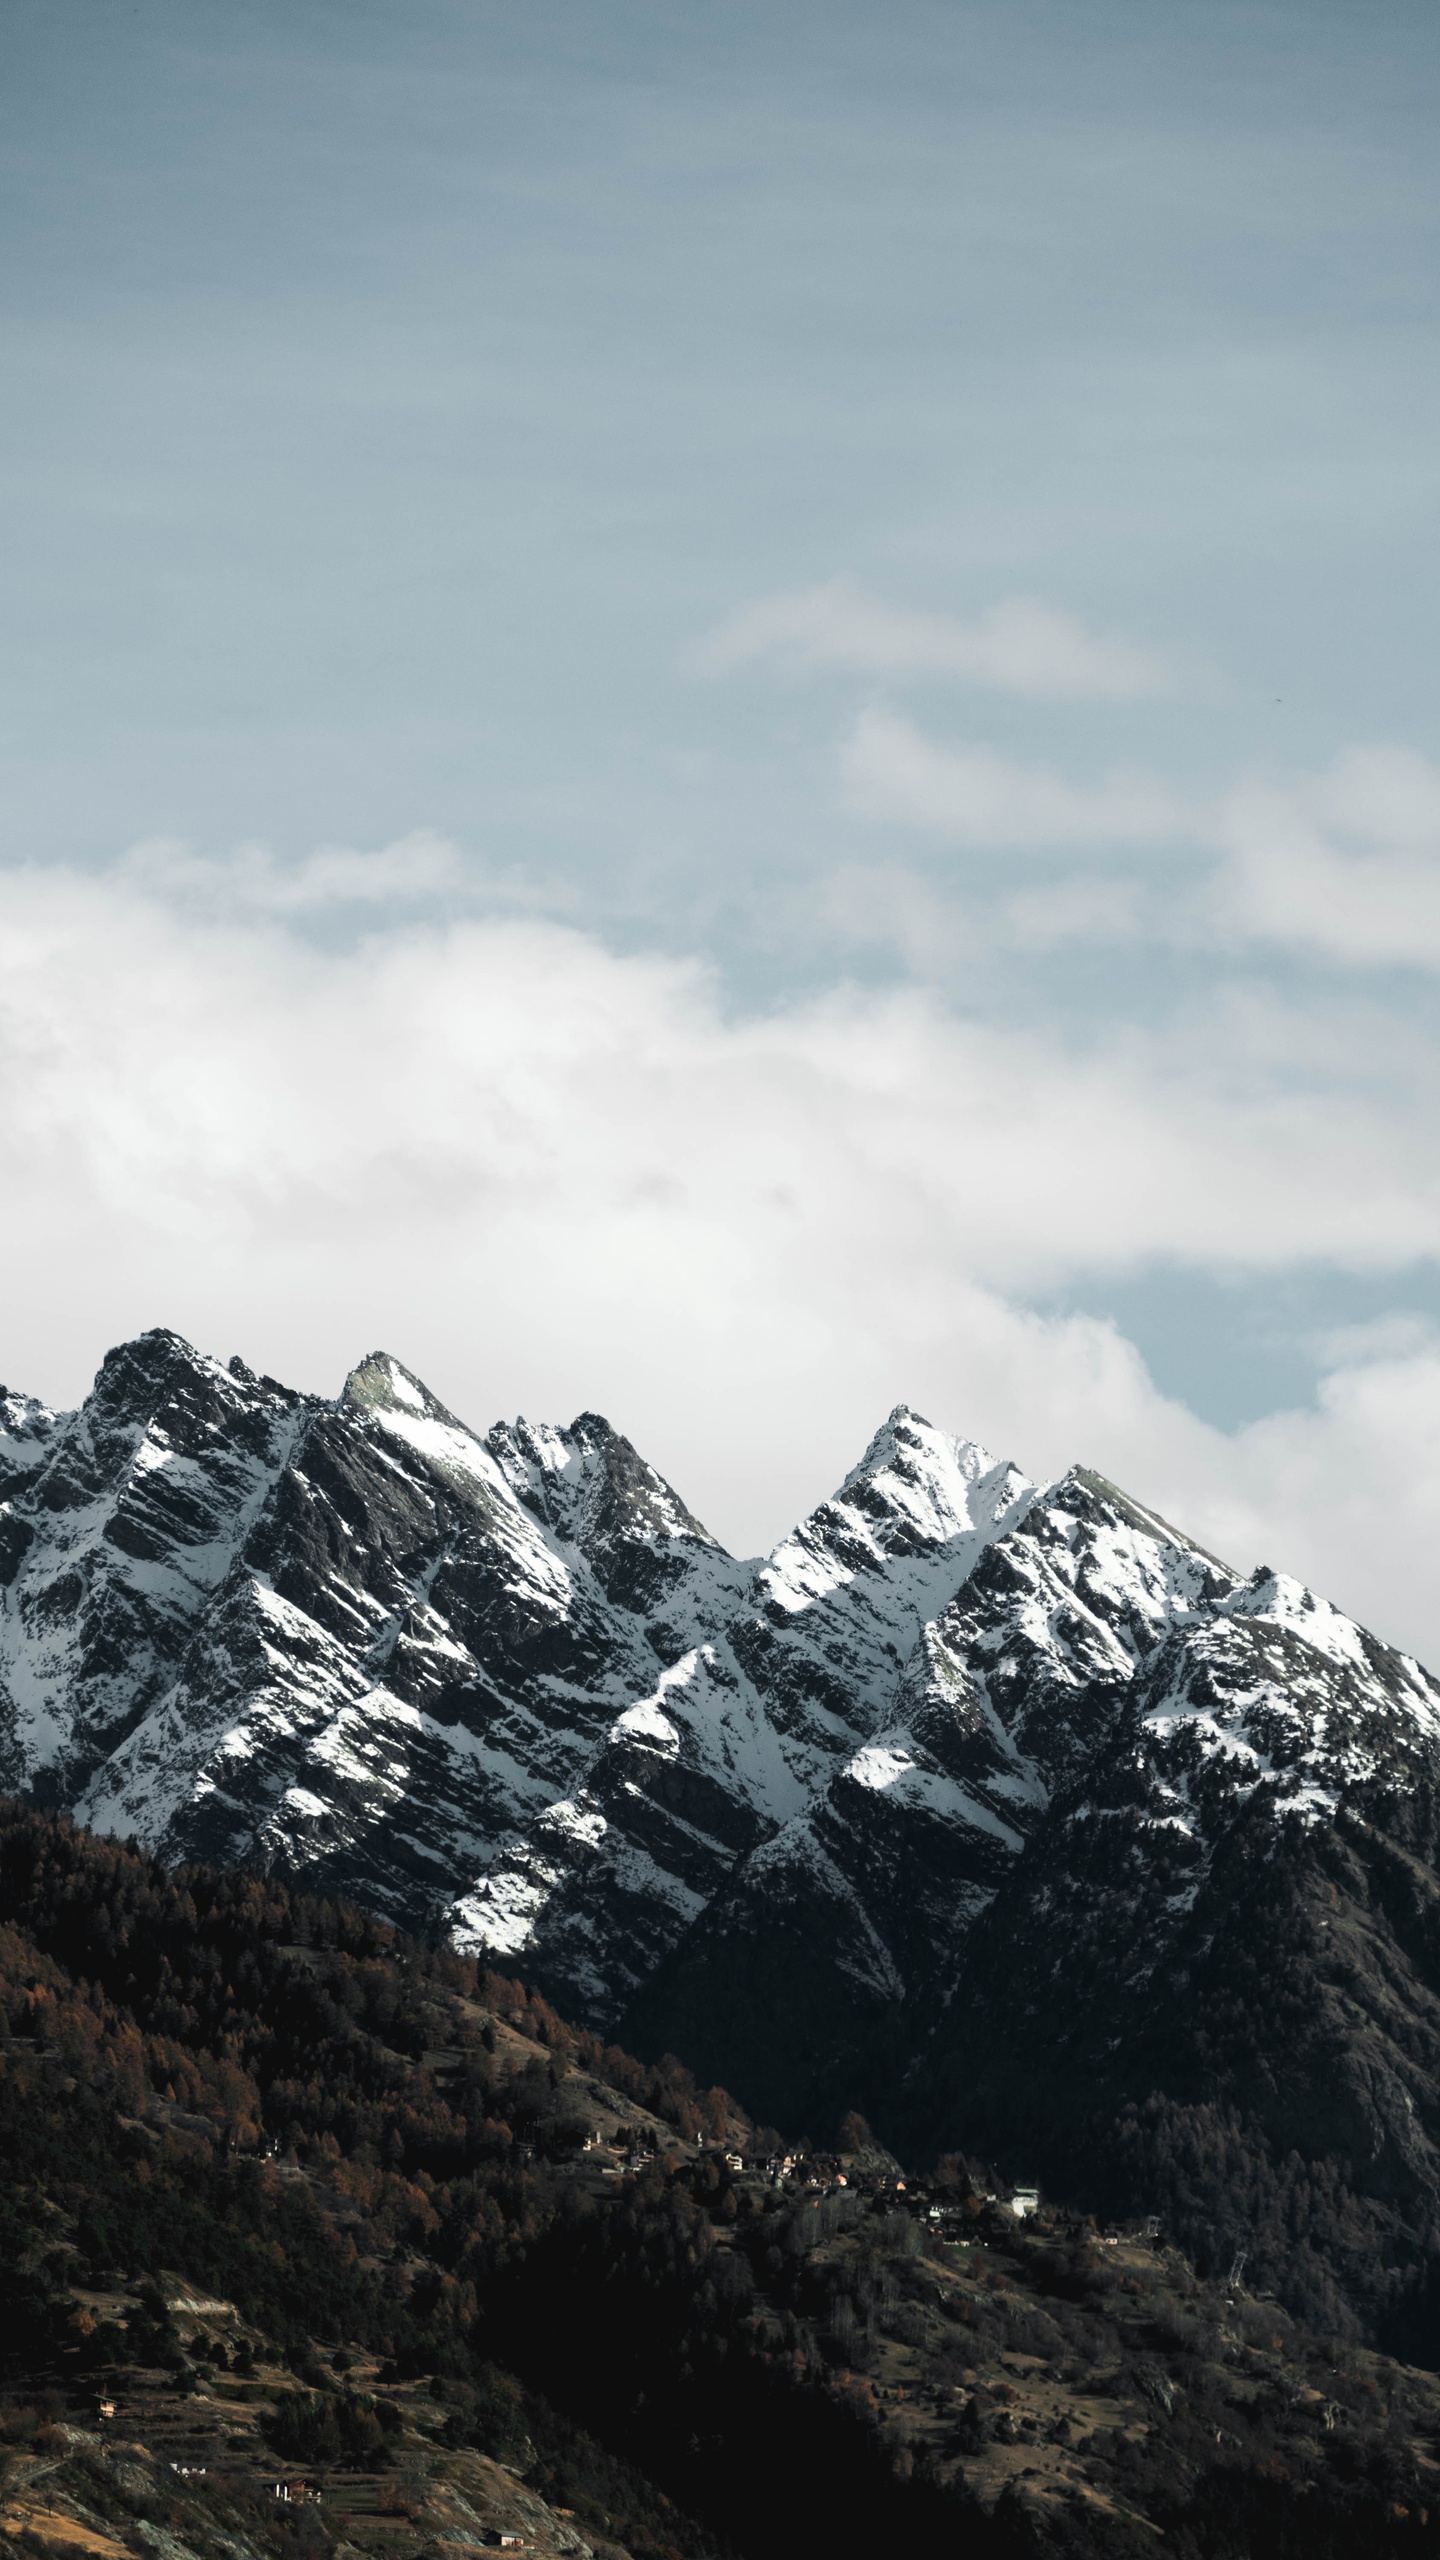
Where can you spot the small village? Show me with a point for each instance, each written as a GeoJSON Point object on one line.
{"type": "Point", "coordinates": [189, 2443]}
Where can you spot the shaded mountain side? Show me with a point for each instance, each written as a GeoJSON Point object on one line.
{"type": "Point", "coordinates": [292, 2193]}
{"type": "Point", "coordinates": [1208, 1973]}
{"type": "Point", "coordinates": [769, 2001]}
{"type": "Point", "coordinates": [1269, 2086]}
{"type": "Point", "coordinates": [1262, 2067]}
{"type": "Point", "coordinates": [1267, 2072]}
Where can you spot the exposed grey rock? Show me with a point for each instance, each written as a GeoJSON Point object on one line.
{"type": "Point", "coordinates": [508, 1685]}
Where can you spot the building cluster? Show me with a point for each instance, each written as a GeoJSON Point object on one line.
{"type": "Point", "coordinates": [883, 2188]}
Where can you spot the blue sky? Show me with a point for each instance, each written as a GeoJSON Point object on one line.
{"type": "Point", "coordinates": [394, 394]}
{"type": "Point", "coordinates": [596, 452]}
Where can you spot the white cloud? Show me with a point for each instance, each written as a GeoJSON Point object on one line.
{"type": "Point", "coordinates": [550, 1177]}
{"type": "Point", "coordinates": [1399, 1336]}
{"type": "Point", "coordinates": [1346, 863]}
{"type": "Point", "coordinates": [1384, 795]}
{"type": "Point", "coordinates": [1343, 864]}
{"type": "Point", "coordinates": [1020, 646]}
{"type": "Point", "coordinates": [1348, 1493]}
{"type": "Point", "coordinates": [891, 771]}
{"type": "Point", "coordinates": [937, 933]}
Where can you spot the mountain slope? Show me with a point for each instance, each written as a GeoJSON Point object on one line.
{"type": "Point", "coordinates": [1217, 1974]}
{"type": "Point", "coordinates": [876, 1887]}
{"type": "Point", "coordinates": [1140, 1889]}
{"type": "Point", "coordinates": [1005, 1811]}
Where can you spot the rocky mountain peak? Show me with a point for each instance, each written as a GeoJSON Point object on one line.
{"type": "Point", "coordinates": [159, 1376]}
{"type": "Point", "coordinates": [916, 1486]}
{"type": "Point", "coordinates": [908, 1520]}
{"type": "Point", "coordinates": [381, 1384]}
{"type": "Point", "coordinates": [591, 1485]}
{"type": "Point", "coordinates": [1276, 1688]}
{"type": "Point", "coordinates": [117, 1543]}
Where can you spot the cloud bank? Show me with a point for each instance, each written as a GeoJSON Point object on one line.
{"type": "Point", "coordinates": [551, 1176]}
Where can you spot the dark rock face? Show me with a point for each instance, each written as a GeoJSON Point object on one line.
{"type": "Point", "coordinates": [121, 1523]}
{"type": "Point", "coordinates": [998, 1810]}
{"type": "Point", "coordinates": [507, 1685]}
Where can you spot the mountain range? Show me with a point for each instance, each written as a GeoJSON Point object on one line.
{"type": "Point", "coordinates": [1004, 1809]}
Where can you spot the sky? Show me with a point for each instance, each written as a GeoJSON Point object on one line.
{"type": "Point", "coordinates": [730, 715]}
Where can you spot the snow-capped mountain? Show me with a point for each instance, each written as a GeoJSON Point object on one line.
{"type": "Point", "coordinates": [742, 1729]}
{"type": "Point", "coordinates": [507, 1684]}
{"type": "Point", "coordinates": [1011, 1691]}
{"type": "Point", "coordinates": [1080, 1735]}
{"type": "Point", "coordinates": [962, 1752]}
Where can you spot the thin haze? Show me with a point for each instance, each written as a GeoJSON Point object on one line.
{"type": "Point", "coordinates": [731, 715]}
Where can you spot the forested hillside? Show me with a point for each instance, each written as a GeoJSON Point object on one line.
{"type": "Point", "coordinates": [321, 2195]}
